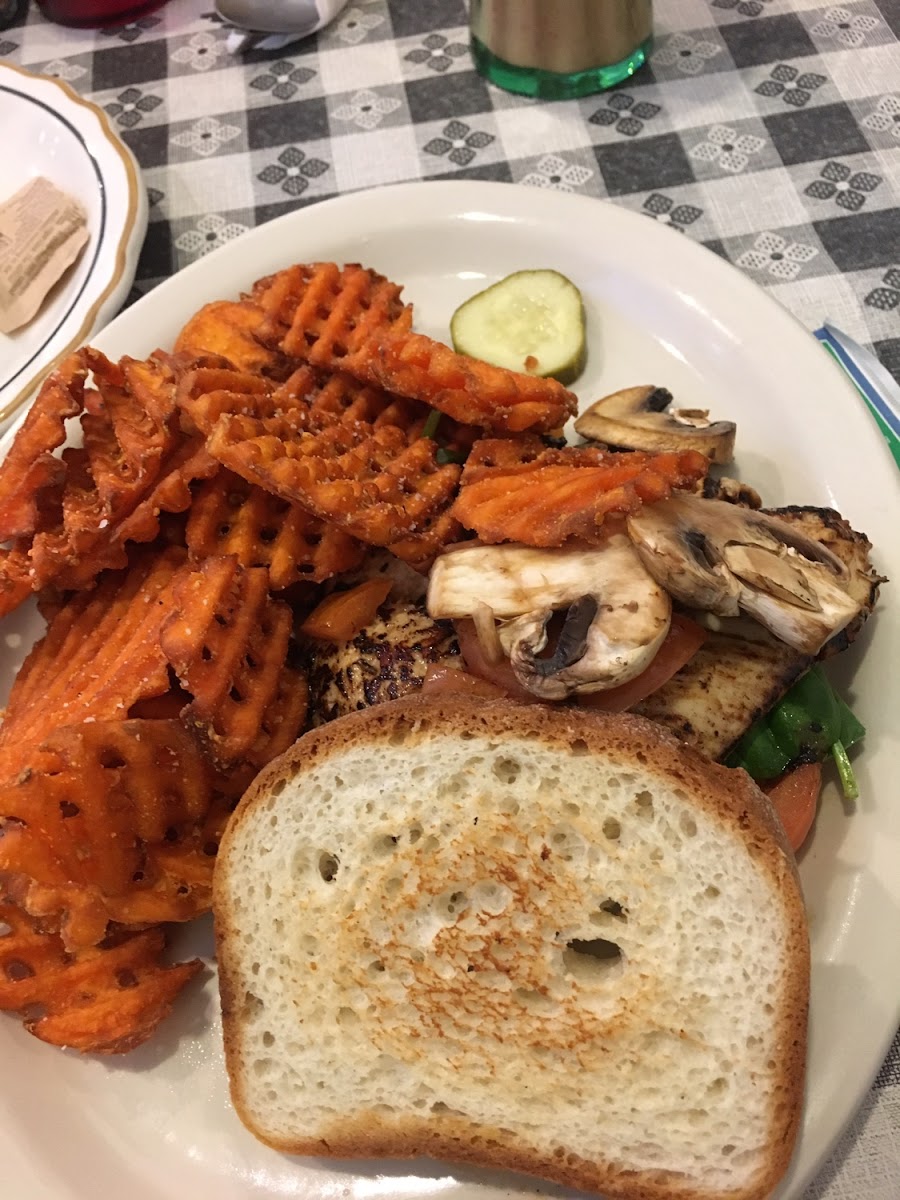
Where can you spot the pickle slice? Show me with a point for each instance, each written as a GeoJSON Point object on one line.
{"type": "Point", "coordinates": [531, 321]}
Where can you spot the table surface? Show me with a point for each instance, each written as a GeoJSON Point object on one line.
{"type": "Point", "coordinates": [768, 130]}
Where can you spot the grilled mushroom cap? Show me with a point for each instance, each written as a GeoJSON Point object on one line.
{"type": "Point", "coordinates": [637, 419]}
{"type": "Point", "coordinates": [616, 614]}
{"type": "Point", "coordinates": [721, 558]}
{"type": "Point", "coordinates": [853, 549]}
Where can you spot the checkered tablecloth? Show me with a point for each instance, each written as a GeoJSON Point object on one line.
{"type": "Point", "coordinates": [769, 130]}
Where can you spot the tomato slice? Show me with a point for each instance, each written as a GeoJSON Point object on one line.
{"type": "Point", "coordinates": [684, 639]}
{"type": "Point", "coordinates": [795, 797]}
{"type": "Point", "coordinates": [441, 680]}
{"type": "Point", "coordinates": [500, 674]}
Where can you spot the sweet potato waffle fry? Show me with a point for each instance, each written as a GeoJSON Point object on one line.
{"type": "Point", "coordinates": [72, 557]}
{"type": "Point", "coordinates": [30, 467]}
{"type": "Point", "coordinates": [87, 814]}
{"type": "Point", "coordinates": [308, 399]}
{"type": "Point", "coordinates": [341, 398]}
{"type": "Point", "coordinates": [125, 432]}
{"type": "Point", "coordinates": [231, 516]}
{"type": "Point", "coordinates": [205, 392]}
{"type": "Point", "coordinates": [308, 406]}
{"type": "Point", "coordinates": [15, 580]}
{"type": "Point", "coordinates": [350, 319]}
{"type": "Point", "coordinates": [421, 548]}
{"type": "Point", "coordinates": [54, 558]}
{"type": "Point", "coordinates": [466, 389]}
{"type": "Point", "coordinates": [77, 515]}
{"type": "Point", "coordinates": [369, 481]}
{"type": "Point", "coordinates": [103, 1000]}
{"type": "Point", "coordinates": [227, 642]}
{"type": "Point", "coordinates": [329, 311]}
{"type": "Point", "coordinates": [99, 656]}
{"type": "Point", "coordinates": [490, 456]}
{"type": "Point", "coordinates": [282, 720]}
{"type": "Point", "coordinates": [568, 493]}
{"type": "Point", "coordinates": [152, 383]}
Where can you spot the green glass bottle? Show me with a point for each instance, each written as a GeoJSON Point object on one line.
{"type": "Point", "coordinates": [558, 49]}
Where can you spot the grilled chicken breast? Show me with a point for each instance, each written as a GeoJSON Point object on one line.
{"type": "Point", "coordinates": [386, 660]}
{"type": "Point", "coordinates": [735, 676]}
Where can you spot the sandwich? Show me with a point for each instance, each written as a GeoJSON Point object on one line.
{"type": "Point", "coordinates": [519, 937]}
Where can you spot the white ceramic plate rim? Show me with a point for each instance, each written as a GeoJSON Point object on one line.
{"type": "Point", "coordinates": [841, 432]}
{"type": "Point", "coordinates": [114, 252]}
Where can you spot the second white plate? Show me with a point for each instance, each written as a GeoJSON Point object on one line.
{"type": "Point", "coordinates": [48, 130]}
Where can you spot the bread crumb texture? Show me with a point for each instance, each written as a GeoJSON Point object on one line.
{"type": "Point", "coordinates": [501, 939]}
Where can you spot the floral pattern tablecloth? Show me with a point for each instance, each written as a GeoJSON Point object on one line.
{"type": "Point", "coordinates": [768, 130]}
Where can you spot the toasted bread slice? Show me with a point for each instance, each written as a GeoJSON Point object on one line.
{"type": "Point", "coordinates": [510, 936]}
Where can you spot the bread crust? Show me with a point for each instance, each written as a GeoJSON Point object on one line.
{"type": "Point", "coordinates": [728, 796]}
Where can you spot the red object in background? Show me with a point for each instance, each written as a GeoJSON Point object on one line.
{"type": "Point", "coordinates": [89, 14]}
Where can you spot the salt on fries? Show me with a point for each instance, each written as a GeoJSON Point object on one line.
{"type": "Point", "coordinates": [172, 547]}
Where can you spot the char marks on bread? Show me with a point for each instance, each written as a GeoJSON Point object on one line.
{"type": "Point", "coordinates": [514, 937]}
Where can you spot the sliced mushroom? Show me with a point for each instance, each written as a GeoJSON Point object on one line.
{"type": "Point", "coordinates": [616, 614]}
{"type": "Point", "coordinates": [637, 419]}
{"type": "Point", "coordinates": [723, 559]}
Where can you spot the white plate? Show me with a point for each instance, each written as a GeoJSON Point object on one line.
{"type": "Point", "coordinates": [49, 131]}
{"type": "Point", "coordinates": [157, 1125]}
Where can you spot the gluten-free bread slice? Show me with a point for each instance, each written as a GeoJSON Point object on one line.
{"type": "Point", "coordinates": [518, 937]}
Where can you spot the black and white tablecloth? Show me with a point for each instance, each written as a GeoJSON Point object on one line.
{"type": "Point", "coordinates": [769, 130]}
{"type": "Point", "coordinates": [766, 129]}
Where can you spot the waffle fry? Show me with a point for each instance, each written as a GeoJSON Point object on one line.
{"type": "Point", "coordinates": [105, 1000]}
{"type": "Point", "coordinates": [152, 382]}
{"type": "Point", "coordinates": [227, 642]}
{"type": "Point", "coordinates": [490, 456]}
{"type": "Point", "coordinates": [329, 311]}
{"type": "Point", "coordinates": [282, 721]}
{"type": "Point", "coordinates": [125, 435]}
{"type": "Point", "coordinates": [310, 399]}
{"type": "Point", "coordinates": [30, 466]}
{"type": "Point", "coordinates": [341, 398]}
{"type": "Point", "coordinates": [100, 655]}
{"type": "Point", "coordinates": [231, 516]}
{"type": "Point", "coordinates": [78, 514]}
{"type": "Point", "coordinates": [73, 562]}
{"type": "Point", "coordinates": [351, 319]}
{"type": "Point", "coordinates": [205, 392]}
{"type": "Point", "coordinates": [15, 578]}
{"type": "Point", "coordinates": [85, 816]}
{"type": "Point", "coordinates": [470, 391]}
{"type": "Point", "coordinates": [563, 494]}
{"type": "Point", "coordinates": [420, 549]}
{"type": "Point", "coordinates": [369, 482]}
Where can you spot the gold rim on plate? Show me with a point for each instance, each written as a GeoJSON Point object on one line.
{"type": "Point", "coordinates": [131, 176]}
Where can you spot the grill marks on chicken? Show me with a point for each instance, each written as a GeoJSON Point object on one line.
{"type": "Point", "coordinates": [736, 676]}
{"type": "Point", "coordinates": [386, 660]}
